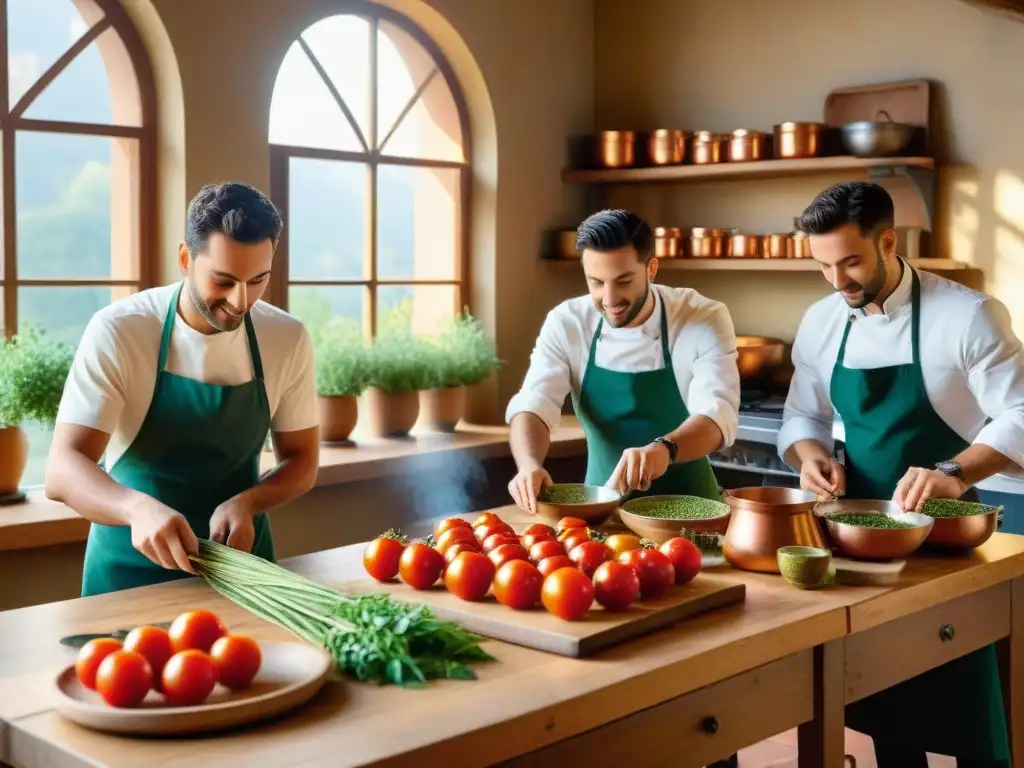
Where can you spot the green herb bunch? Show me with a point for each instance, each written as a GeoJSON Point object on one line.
{"type": "Point", "coordinates": [400, 360]}
{"type": "Point", "coordinates": [33, 370]}
{"type": "Point", "coordinates": [343, 363]}
{"type": "Point", "coordinates": [462, 354]}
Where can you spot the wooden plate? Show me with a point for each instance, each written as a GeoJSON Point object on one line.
{"type": "Point", "coordinates": [291, 673]}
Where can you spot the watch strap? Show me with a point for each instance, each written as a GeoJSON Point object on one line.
{"type": "Point", "coordinates": [951, 468]}
{"type": "Point", "coordinates": [673, 449]}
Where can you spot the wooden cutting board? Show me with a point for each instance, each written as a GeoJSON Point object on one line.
{"type": "Point", "coordinates": [536, 628]}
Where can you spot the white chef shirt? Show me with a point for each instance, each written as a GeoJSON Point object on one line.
{"type": "Point", "coordinates": [701, 339]}
{"type": "Point", "coordinates": [972, 362]}
{"type": "Point", "coordinates": [113, 375]}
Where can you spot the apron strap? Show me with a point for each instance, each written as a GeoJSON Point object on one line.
{"type": "Point", "coordinates": [665, 353]}
{"type": "Point", "coordinates": [165, 336]}
{"type": "Point", "coordinates": [915, 319]}
{"type": "Point", "coordinates": [254, 348]}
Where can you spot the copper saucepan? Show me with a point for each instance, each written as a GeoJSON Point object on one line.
{"type": "Point", "coordinates": [758, 355]}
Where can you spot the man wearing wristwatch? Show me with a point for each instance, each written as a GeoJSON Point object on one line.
{"type": "Point", "coordinates": [651, 371]}
{"type": "Point", "coordinates": [927, 377]}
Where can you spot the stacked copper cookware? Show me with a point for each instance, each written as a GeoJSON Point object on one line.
{"type": "Point", "coordinates": [715, 243]}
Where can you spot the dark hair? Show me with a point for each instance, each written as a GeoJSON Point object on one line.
{"type": "Point", "coordinates": [610, 229]}
{"type": "Point", "coordinates": [240, 211]}
{"type": "Point", "coordinates": [868, 206]}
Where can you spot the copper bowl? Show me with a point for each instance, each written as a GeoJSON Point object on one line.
{"type": "Point", "coordinates": [756, 354]}
{"type": "Point", "coordinates": [801, 246]}
{"type": "Point", "coordinates": [661, 529]}
{"type": "Point", "coordinates": [741, 246]}
{"type": "Point", "coordinates": [745, 146]}
{"type": "Point", "coordinates": [707, 243]}
{"type": "Point", "coordinates": [600, 503]}
{"type": "Point", "coordinates": [873, 543]}
{"type": "Point", "coordinates": [798, 140]}
{"type": "Point", "coordinates": [967, 531]}
{"type": "Point", "coordinates": [616, 149]}
{"type": "Point", "coordinates": [567, 244]}
{"type": "Point", "coordinates": [778, 245]}
{"type": "Point", "coordinates": [666, 146]}
{"type": "Point", "coordinates": [667, 242]}
{"type": "Point", "coordinates": [707, 147]}
{"type": "Point", "coordinates": [764, 519]}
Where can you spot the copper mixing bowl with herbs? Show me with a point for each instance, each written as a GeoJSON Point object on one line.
{"type": "Point", "coordinates": [960, 524]}
{"type": "Point", "coordinates": [873, 529]}
{"type": "Point", "coordinates": [660, 518]}
{"type": "Point", "coordinates": [593, 503]}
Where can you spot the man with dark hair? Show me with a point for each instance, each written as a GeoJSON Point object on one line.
{"type": "Point", "coordinates": [927, 377]}
{"type": "Point", "coordinates": [651, 370]}
{"type": "Point", "coordinates": [178, 387]}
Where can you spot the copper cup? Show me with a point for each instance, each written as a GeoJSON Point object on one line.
{"type": "Point", "coordinates": [801, 246]}
{"type": "Point", "coordinates": [778, 245]}
{"type": "Point", "coordinates": [798, 140]}
{"type": "Point", "coordinates": [616, 149]}
{"type": "Point", "coordinates": [666, 147]}
{"type": "Point", "coordinates": [746, 146]}
{"type": "Point", "coordinates": [707, 147]}
{"type": "Point", "coordinates": [667, 242]}
{"type": "Point", "coordinates": [707, 243]}
{"type": "Point", "coordinates": [740, 246]}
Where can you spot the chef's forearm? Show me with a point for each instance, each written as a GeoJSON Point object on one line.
{"type": "Point", "coordinates": [529, 438]}
{"type": "Point", "coordinates": [803, 450]}
{"type": "Point", "coordinates": [696, 438]}
{"type": "Point", "coordinates": [293, 477]}
{"type": "Point", "coordinates": [80, 483]}
{"type": "Point", "coordinates": [980, 461]}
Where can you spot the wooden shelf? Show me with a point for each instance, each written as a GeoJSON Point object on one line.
{"type": "Point", "coordinates": [760, 169]}
{"type": "Point", "coordinates": [774, 265]}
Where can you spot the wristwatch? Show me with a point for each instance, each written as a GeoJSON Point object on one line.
{"type": "Point", "coordinates": [673, 449]}
{"type": "Point", "coordinates": [951, 468]}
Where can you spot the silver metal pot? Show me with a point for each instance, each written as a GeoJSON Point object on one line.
{"type": "Point", "coordinates": [882, 138]}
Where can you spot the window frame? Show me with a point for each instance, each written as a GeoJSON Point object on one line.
{"type": "Point", "coordinates": [281, 154]}
{"type": "Point", "coordinates": [114, 17]}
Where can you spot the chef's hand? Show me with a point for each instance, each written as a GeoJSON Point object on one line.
{"type": "Point", "coordinates": [163, 535]}
{"type": "Point", "coordinates": [232, 524]}
{"type": "Point", "coordinates": [639, 467]}
{"type": "Point", "coordinates": [918, 485]}
{"type": "Point", "coordinates": [823, 476]}
{"type": "Point", "coordinates": [525, 486]}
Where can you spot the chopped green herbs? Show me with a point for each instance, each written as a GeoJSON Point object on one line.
{"type": "Point", "coordinates": [678, 508]}
{"type": "Point", "coordinates": [942, 508]}
{"type": "Point", "coordinates": [871, 521]}
{"type": "Point", "coordinates": [564, 494]}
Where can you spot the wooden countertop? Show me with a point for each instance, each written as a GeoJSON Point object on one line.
{"type": "Point", "coordinates": [39, 522]}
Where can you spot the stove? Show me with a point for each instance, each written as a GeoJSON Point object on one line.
{"type": "Point", "coordinates": [753, 459]}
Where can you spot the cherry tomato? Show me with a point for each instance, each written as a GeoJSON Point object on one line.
{"type": "Point", "coordinates": [571, 522]}
{"type": "Point", "coordinates": [420, 565]}
{"type": "Point", "coordinates": [588, 555]}
{"type": "Point", "coordinates": [485, 519]}
{"type": "Point", "coordinates": [449, 537]}
{"type": "Point", "coordinates": [563, 535]}
{"type": "Point", "coordinates": [238, 659]}
{"type": "Point", "coordinates": [517, 584]}
{"type": "Point", "coordinates": [458, 546]}
{"type": "Point", "coordinates": [574, 539]}
{"type": "Point", "coordinates": [684, 556]}
{"type": "Point", "coordinates": [380, 558]}
{"type": "Point", "coordinates": [548, 548]}
{"type": "Point", "coordinates": [549, 565]}
{"type": "Point", "coordinates": [196, 629]}
{"type": "Point", "coordinates": [89, 657]}
{"type": "Point", "coordinates": [154, 644]}
{"type": "Point", "coordinates": [482, 532]}
{"type": "Point", "coordinates": [495, 540]}
{"type": "Point", "coordinates": [188, 678]}
{"type": "Point", "coordinates": [501, 555]}
{"type": "Point", "coordinates": [451, 522]}
{"type": "Point", "coordinates": [567, 593]}
{"type": "Point", "coordinates": [535, 529]}
{"type": "Point", "coordinates": [653, 568]}
{"type": "Point", "coordinates": [616, 585]}
{"type": "Point", "coordinates": [529, 539]}
{"type": "Point", "coordinates": [469, 575]}
{"type": "Point", "coordinates": [622, 542]}
{"type": "Point", "coordinates": [124, 678]}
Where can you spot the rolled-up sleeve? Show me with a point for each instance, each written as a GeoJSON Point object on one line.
{"type": "Point", "coordinates": [994, 362]}
{"type": "Point", "coordinates": [714, 390]}
{"type": "Point", "coordinates": [548, 379]}
{"type": "Point", "coordinates": [808, 412]}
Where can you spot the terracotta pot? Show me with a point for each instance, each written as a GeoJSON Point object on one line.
{"type": "Point", "coordinates": [338, 416]}
{"type": "Point", "coordinates": [391, 414]}
{"type": "Point", "coordinates": [441, 409]}
{"type": "Point", "coordinates": [13, 458]}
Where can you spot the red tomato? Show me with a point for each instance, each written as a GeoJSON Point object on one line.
{"type": "Point", "coordinates": [486, 518]}
{"type": "Point", "coordinates": [89, 657]}
{"type": "Point", "coordinates": [501, 555]}
{"type": "Point", "coordinates": [380, 558]}
{"type": "Point", "coordinates": [458, 546]}
{"type": "Point", "coordinates": [571, 522]}
{"type": "Point", "coordinates": [196, 629]}
{"type": "Point", "coordinates": [517, 584]}
{"type": "Point", "coordinates": [684, 556]}
{"type": "Point", "coordinates": [238, 659]}
{"type": "Point", "coordinates": [449, 537]}
{"type": "Point", "coordinates": [535, 529]}
{"type": "Point", "coordinates": [529, 539]}
{"type": "Point", "coordinates": [482, 532]}
{"type": "Point", "coordinates": [124, 678]}
{"type": "Point", "coordinates": [616, 585]}
{"type": "Point", "coordinates": [188, 678]}
{"type": "Point", "coordinates": [451, 522]}
{"type": "Point", "coordinates": [588, 555]}
{"type": "Point", "coordinates": [549, 565]}
{"type": "Point", "coordinates": [548, 548]}
{"type": "Point", "coordinates": [154, 644]}
{"type": "Point", "coordinates": [653, 568]}
{"type": "Point", "coordinates": [469, 575]}
{"type": "Point", "coordinates": [495, 540]}
{"type": "Point", "coordinates": [567, 593]}
{"type": "Point", "coordinates": [420, 565]}
{"type": "Point", "coordinates": [574, 539]}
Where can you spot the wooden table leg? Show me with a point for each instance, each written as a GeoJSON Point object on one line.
{"type": "Point", "coordinates": [821, 741]}
{"type": "Point", "coordinates": [1011, 663]}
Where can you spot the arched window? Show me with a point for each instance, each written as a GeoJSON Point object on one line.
{"type": "Point", "coordinates": [370, 167]}
{"type": "Point", "coordinates": [76, 121]}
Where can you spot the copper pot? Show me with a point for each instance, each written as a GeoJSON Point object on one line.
{"type": "Point", "coordinates": [755, 355]}
{"type": "Point", "coordinates": [615, 149]}
{"type": "Point", "coordinates": [666, 242]}
{"type": "Point", "coordinates": [796, 140]}
{"type": "Point", "coordinates": [778, 245]}
{"type": "Point", "coordinates": [741, 246]}
{"type": "Point", "coordinates": [707, 243]}
{"type": "Point", "coordinates": [567, 244]}
{"type": "Point", "coordinates": [707, 147]}
{"type": "Point", "coordinates": [745, 145]}
{"type": "Point", "coordinates": [666, 147]}
{"type": "Point", "coordinates": [763, 520]}
{"type": "Point", "coordinates": [801, 246]}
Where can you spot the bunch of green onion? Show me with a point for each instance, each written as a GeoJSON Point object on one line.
{"type": "Point", "coordinates": [372, 638]}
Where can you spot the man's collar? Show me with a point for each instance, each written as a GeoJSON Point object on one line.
{"type": "Point", "coordinates": [900, 295]}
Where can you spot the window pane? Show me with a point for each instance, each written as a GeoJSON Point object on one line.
{"type": "Point", "coordinates": [63, 312]}
{"type": "Point", "coordinates": [316, 305]}
{"type": "Point", "coordinates": [341, 45]}
{"type": "Point", "coordinates": [402, 66]}
{"type": "Point", "coordinates": [431, 130]}
{"type": "Point", "coordinates": [426, 306]}
{"type": "Point", "coordinates": [76, 209]}
{"type": "Point", "coordinates": [39, 438]}
{"type": "Point", "coordinates": [417, 222]}
{"type": "Point", "coordinates": [327, 219]}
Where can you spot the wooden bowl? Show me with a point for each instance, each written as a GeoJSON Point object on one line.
{"type": "Point", "coordinates": [290, 675]}
{"type": "Point", "coordinates": [661, 529]}
{"type": "Point", "coordinates": [600, 503]}
{"type": "Point", "coordinates": [967, 531]}
{"type": "Point", "coordinates": [874, 543]}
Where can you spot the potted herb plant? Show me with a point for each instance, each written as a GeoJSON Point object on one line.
{"type": "Point", "coordinates": [33, 369]}
{"type": "Point", "coordinates": [342, 375]}
{"type": "Point", "coordinates": [399, 369]}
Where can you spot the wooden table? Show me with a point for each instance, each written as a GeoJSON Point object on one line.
{"type": "Point", "coordinates": [685, 695]}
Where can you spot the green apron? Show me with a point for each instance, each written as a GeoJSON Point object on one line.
{"type": "Point", "coordinates": [620, 410]}
{"type": "Point", "coordinates": [955, 709]}
{"type": "Point", "coordinates": [198, 446]}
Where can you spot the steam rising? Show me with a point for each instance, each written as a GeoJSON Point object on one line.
{"type": "Point", "coordinates": [443, 484]}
